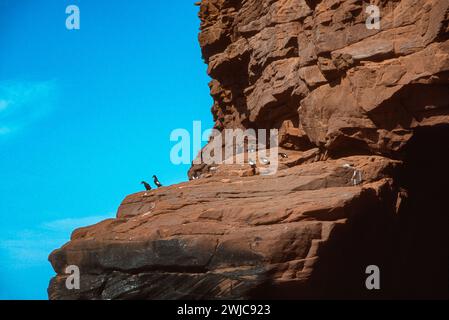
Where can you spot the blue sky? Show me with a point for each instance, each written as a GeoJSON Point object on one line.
{"type": "Point", "coordinates": [85, 115]}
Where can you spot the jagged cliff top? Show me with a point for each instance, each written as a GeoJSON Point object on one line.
{"type": "Point", "coordinates": [314, 71]}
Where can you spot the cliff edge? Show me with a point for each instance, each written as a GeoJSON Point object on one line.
{"type": "Point", "coordinates": [346, 99]}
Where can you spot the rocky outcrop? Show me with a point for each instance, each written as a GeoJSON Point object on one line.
{"type": "Point", "coordinates": [223, 237]}
{"type": "Point", "coordinates": [316, 64]}
{"type": "Point", "coordinates": [363, 117]}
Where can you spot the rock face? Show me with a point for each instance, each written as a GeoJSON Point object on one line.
{"type": "Point", "coordinates": [348, 102]}
{"type": "Point", "coordinates": [316, 64]}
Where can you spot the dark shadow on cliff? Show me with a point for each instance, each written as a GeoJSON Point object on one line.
{"type": "Point", "coordinates": [411, 246]}
{"type": "Point", "coordinates": [423, 234]}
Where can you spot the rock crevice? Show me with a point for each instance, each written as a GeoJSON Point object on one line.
{"type": "Point", "coordinates": [345, 99]}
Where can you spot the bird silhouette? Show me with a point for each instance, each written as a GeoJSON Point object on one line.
{"type": "Point", "coordinates": [146, 185]}
{"type": "Point", "coordinates": [253, 165]}
{"type": "Point", "coordinates": [156, 182]}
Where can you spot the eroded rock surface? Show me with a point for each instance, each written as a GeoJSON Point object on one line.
{"type": "Point", "coordinates": [222, 237]}
{"type": "Point", "coordinates": [345, 99]}
{"type": "Point", "coordinates": [316, 64]}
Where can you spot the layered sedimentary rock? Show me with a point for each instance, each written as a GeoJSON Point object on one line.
{"type": "Point", "coordinates": [224, 237]}
{"type": "Point", "coordinates": [315, 63]}
{"type": "Point", "coordinates": [363, 117]}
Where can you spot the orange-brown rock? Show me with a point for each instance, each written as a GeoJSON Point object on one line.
{"type": "Point", "coordinates": [346, 99]}
{"type": "Point", "coordinates": [316, 64]}
{"type": "Point", "coordinates": [223, 238]}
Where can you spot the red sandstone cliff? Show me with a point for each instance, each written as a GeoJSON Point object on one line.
{"type": "Point", "coordinates": [377, 100]}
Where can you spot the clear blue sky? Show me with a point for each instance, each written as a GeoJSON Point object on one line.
{"type": "Point", "coordinates": [85, 115]}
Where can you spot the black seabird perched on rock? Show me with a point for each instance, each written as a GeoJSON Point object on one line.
{"type": "Point", "coordinates": [146, 185]}
{"type": "Point", "coordinates": [283, 155]}
{"type": "Point", "coordinates": [156, 182]}
{"type": "Point", "coordinates": [195, 176]}
{"type": "Point", "coordinates": [253, 165]}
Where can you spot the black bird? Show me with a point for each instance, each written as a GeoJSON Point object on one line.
{"type": "Point", "coordinates": [283, 155]}
{"type": "Point", "coordinates": [156, 182]}
{"type": "Point", "coordinates": [253, 165]}
{"type": "Point", "coordinates": [147, 186]}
